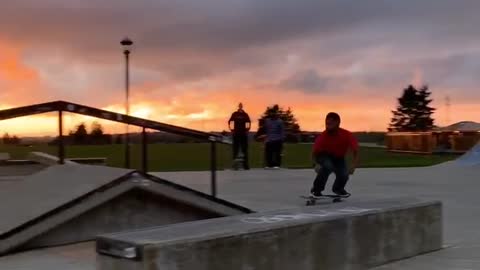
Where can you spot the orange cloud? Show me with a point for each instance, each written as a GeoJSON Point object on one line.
{"type": "Point", "coordinates": [19, 82]}
{"type": "Point", "coordinates": [13, 70]}
{"type": "Point", "coordinates": [206, 104]}
{"type": "Point", "coordinates": [211, 112]}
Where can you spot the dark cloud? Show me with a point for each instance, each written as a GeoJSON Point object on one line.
{"type": "Point", "coordinates": [458, 69]}
{"type": "Point", "coordinates": [307, 81]}
{"type": "Point", "coordinates": [188, 72]}
{"type": "Point", "coordinates": [213, 27]}
{"type": "Point", "coordinates": [189, 40]}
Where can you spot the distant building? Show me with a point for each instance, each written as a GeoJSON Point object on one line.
{"type": "Point", "coordinates": [459, 137]}
{"type": "Point", "coordinates": [456, 138]}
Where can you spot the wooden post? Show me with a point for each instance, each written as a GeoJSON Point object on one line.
{"type": "Point", "coordinates": [61, 146]}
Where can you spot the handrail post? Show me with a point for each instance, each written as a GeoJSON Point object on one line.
{"type": "Point", "coordinates": [144, 150]}
{"type": "Point", "coordinates": [61, 146]}
{"type": "Point", "coordinates": [213, 165]}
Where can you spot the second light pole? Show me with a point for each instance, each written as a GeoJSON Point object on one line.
{"type": "Point", "coordinates": [127, 43]}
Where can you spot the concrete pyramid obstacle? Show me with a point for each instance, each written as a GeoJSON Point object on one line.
{"type": "Point", "coordinates": [66, 204]}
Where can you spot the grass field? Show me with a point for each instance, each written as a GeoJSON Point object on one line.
{"type": "Point", "coordinates": [187, 157]}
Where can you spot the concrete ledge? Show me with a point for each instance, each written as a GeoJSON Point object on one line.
{"type": "Point", "coordinates": [90, 160]}
{"type": "Point", "coordinates": [46, 159]}
{"type": "Point", "coordinates": [339, 236]}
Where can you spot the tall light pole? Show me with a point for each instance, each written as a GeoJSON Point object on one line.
{"type": "Point", "coordinates": [127, 43]}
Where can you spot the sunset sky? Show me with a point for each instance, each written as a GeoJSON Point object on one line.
{"type": "Point", "coordinates": [194, 60]}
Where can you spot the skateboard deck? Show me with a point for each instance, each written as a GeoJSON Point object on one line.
{"type": "Point", "coordinates": [335, 198]}
{"type": "Point", "coordinates": [239, 161]}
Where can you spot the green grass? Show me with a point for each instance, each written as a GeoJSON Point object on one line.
{"type": "Point", "coordinates": [381, 158]}
{"type": "Point", "coordinates": [175, 157]}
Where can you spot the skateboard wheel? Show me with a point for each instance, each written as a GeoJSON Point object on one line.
{"type": "Point", "coordinates": [336, 200]}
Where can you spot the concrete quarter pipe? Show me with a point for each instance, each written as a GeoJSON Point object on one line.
{"type": "Point", "coordinates": [472, 157]}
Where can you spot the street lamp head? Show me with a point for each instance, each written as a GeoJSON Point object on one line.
{"type": "Point", "coordinates": [126, 43]}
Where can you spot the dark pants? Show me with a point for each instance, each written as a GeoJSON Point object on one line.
{"type": "Point", "coordinates": [273, 153]}
{"type": "Point", "coordinates": [240, 142]}
{"type": "Point", "coordinates": [330, 165]}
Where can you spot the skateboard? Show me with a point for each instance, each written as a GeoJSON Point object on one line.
{"type": "Point", "coordinates": [238, 162]}
{"type": "Point", "coordinates": [335, 198]}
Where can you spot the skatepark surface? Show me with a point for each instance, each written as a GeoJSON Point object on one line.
{"type": "Point", "coordinates": [262, 190]}
{"type": "Point", "coordinates": [456, 186]}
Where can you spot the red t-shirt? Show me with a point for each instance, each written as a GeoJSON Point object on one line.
{"type": "Point", "coordinates": [335, 144]}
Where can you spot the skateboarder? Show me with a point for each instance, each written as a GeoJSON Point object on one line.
{"type": "Point", "coordinates": [241, 127]}
{"type": "Point", "coordinates": [329, 152]}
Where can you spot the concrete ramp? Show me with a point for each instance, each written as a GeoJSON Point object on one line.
{"type": "Point", "coordinates": [47, 159]}
{"type": "Point", "coordinates": [340, 236]}
{"type": "Point", "coordinates": [471, 158]}
{"type": "Point", "coordinates": [66, 204]}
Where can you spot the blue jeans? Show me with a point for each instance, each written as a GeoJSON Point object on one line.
{"type": "Point", "coordinates": [273, 153]}
{"type": "Point", "coordinates": [329, 165]}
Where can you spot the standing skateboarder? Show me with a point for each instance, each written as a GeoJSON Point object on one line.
{"type": "Point", "coordinates": [329, 152]}
{"type": "Point", "coordinates": [274, 136]}
{"type": "Point", "coordinates": [241, 127]}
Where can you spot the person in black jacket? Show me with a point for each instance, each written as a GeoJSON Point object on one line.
{"type": "Point", "coordinates": [241, 127]}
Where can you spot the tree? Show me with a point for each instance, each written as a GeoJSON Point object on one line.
{"type": "Point", "coordinates": [96, 134]}
{"type": "Point", "coordinates": [7, 139]}
{"type": "Point", "coordinates": [15, 140]}
{"type": "Point", "coordinates": [425, 112]}
{"type": "Point", "coordinates": [97, 130]}
{"type": "Point", "coordinates": [292, 128]}
{"type": "Point", "coordinates": [413, 111]}
{"type": "Point", "coordinates": [80, 135]}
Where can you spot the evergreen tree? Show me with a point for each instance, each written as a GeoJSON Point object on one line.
{"type": "Point", "coordinates": [96, 130]}
{"type": "Point", "coordinates": [413, 111]}
{"type": "Point", "coordinates": [6, 138]}
{"type": "Point", "coordinates": [96, 134]}
{"type": "Point", "coordinates": [80, 135]}
{"type": "Point", "coordinates": [424, 119]}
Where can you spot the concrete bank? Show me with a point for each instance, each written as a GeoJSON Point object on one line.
{"type": "Point", "coordinates": [337, 236]}
{"type": "Point", "coordinates": [68, 204]}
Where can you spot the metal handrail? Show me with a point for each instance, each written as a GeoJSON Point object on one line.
{"type": "Point", "coordinates": [64, 106]}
